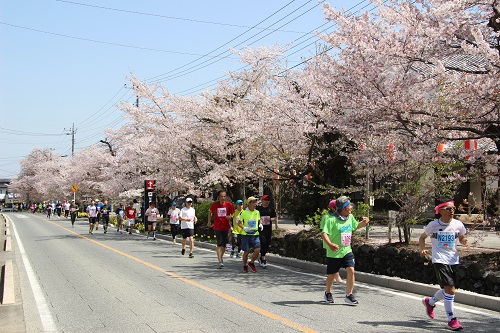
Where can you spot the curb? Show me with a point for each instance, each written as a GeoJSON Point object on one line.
{"type": "Point", "coordinates": [7, 287]}
{"type": "Point", "coordinates": [463, 296]}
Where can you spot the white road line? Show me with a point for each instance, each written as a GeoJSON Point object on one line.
{"type": "Point", "coordinates": [43, 309]}
{"type": "Point", "coordinates": [380, 289]}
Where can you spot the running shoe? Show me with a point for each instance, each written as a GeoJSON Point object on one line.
{"type": "Point", "coordinates": [329, 298]}
{"type": "Point", "coordinates": [245, 269]}
{"type": "Point", "coordinates": [154, 238]}
{"type": "Point", "coordinates": [429, 308]}
{"type": "Point", "coordinates": [96, 228]}
{"type": "Point", "coordinates": [231, 255]}
{"type": "Point", "coordinates": [252, 267]}
{"type": "Point", "coordinates": [349, 299]}
{"type": "Point", "coordinates": [191, 255]}
{"type": "Point", "coordinates": [90, 231]}
{"type": "Point", "coordinates": [454, 324]}
{"type": "Point", "coordinates": [105, 231]}
{"type": "Point", "coordinates": [117, 229]}
{"type": "Point", "coordinates": [238, 255]}
{"type": "Point", "coordinates": [221, 264]}
{"type": "Point", "coordinates": [183, 252]}
{"type": "Point", "coordinates": [263, 263]}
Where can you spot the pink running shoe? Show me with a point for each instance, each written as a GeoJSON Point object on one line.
{"type": "Point", "coordinates": [428, 307]}
{"type": "Point", "coordinates": [455, 325]}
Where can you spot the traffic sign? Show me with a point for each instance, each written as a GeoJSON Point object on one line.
{"type": "Point", "coordinates": [74, 188]}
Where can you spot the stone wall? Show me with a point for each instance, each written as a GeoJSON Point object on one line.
{"type": "Point", "coordinates": [390, 261]}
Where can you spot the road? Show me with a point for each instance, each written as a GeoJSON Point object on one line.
{"type": "Point", "coordinates": [71, 281]}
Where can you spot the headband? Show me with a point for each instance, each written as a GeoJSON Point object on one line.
{"type": "Point", "coordinates": [436, 209]}
{"type": "Point", "coordinates": [339, 208]}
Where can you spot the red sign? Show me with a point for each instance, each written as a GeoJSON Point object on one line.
{"type": "Point", "coordinates": [150, 185]}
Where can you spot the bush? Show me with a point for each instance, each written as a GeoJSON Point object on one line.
{"type": "Point", "coordinates": [82, 214]}
{"type": "Point", "coordinates": [140, 227]}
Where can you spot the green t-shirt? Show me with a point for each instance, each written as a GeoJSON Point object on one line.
{"type": "Point", "coordinates": [251, 220]}
{"type": "Point", "coordinates": [236, 228]}
{"type": "Point", "coordinates": [340, 233]}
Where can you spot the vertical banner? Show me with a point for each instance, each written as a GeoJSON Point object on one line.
{"type": "Point", "coordinates": [149, 196]}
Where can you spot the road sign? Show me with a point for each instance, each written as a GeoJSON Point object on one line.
{"type": "Point", "coordinates": [74, 188]}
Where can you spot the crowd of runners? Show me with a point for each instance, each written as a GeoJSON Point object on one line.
{"type": "Point", "coordinates": [246, 233]}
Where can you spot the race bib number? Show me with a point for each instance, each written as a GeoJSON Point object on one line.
{"type": "Point", "coordinates": [345, 239]}
{"type": "Point", "coordinates": [221, 212]}
{"type": "Point", "coordinates": [266, 220]}
{"type": "Point", "coordinates": [120, 213]}
{"type": "Point", "coordinates": [153, 215]}
{"type": "Point", "coordinates": [252, 224]}
{"type": "Point", "coordinates": [445, 238]}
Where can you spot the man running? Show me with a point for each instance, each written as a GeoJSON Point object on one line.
{"type": "Point", "coordinates": [188, 220]}
{"type": "Point", "coordinates": [267, 216]}
{"type": "Point", "coordinates": [92, 215]}
{"type": "Point", "coordinates": [222, 211]}
{"type": "Point", "coordinates": [249, 221]}
{"type": "Point", "coordinates": [105, 210]}
{"type": "Point", "coordinates": [131, 214]}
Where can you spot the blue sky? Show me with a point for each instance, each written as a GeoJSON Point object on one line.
{"type": "Point", "coordinates": [67, 62]}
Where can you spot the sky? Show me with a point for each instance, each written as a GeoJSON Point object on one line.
{"type": "Point", "coordinates": [65, 64]}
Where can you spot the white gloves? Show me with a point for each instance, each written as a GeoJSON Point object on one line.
{"type": "Point", "coordinates": [246, 229]}
{"type": "Point", "coordinates": [261, 227]}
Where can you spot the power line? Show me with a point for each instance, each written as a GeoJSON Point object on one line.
{"type": "Point", "coordinates": [99, 41]}
{"type": "Point", "coordinates": [171, 17]}
{"type": "Point", "coordinates": [157, 78]}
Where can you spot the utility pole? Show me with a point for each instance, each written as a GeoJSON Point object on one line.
{"type": "Point", "coordinates": [73, 131]}
{"type": "Point", "coordinates": [73, 140]}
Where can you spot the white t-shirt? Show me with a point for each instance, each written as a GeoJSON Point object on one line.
{"type": "Point", "coordinates": [174, 215]}
{"type": "Point", "coordinates": [91, 211]}
{"type": "Point", "coordinates": [152, 214]}
{"type": "Point", "coordinates": [443, 239]}
{"type": "Point", "coordinates": [188, 213]}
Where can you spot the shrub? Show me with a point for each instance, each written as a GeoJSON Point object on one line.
{"type": "Point", "coordinates": [140, 227]}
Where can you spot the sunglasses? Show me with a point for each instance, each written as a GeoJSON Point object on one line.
{"type": "Point", "coordinates": [449, 208]}
{"type": "Point", "coordinates": [267, 199]}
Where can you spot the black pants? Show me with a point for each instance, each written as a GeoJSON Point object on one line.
{"type": "Point", "coordinates": [265, 239]}
{"type": "Point", "coordinates": [174, 228]}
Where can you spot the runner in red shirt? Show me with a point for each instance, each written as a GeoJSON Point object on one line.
{"type": "Point", "coordinates": [130, 213]}
{"type": "Point", "coordinates": [222, 212]}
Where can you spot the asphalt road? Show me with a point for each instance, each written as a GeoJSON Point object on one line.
{"type": "Point", "coordinates": [70, 281]}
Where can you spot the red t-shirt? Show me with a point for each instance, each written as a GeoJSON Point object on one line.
{"type": "Point", "coordinates": [220, 212]}
{"type": "Point", "coordinates": [130, 213]}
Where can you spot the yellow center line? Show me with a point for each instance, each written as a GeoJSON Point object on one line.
{"type": "Point", "coordinates": [193, 283]}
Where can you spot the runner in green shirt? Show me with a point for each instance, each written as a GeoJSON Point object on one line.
{"type": "Point", "coordinates": [337, 232]}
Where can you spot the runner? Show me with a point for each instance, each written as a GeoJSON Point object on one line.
{"type": "Point", "coordinates": [188, 220]}
{"type": "Point", "coordinates": [105, 210]}
{"type": "Point", "coordinates": [249, 221]}
{"type": "Point", "coordinates": [174, 213]}
{"type": "Point", "coordinates": [49, 210]}
{"type": "Point", "coordinates": [66, 208]}
{"type": "Point", "coordinates": [98, 217]}
{"type": "Point", "coordinates": [131, 214]}
{"type": "Point", "coordinates": [337, 233]}
{"type": "Point", "coordinates": [267, 216]}
{"type": "Point", "coordinates": [92, 215]}
{"type": "Point", "coordinates": [120, 212]}
{"type": "Point", "coordinates": [332, 208]}
{"type": "Point", "coordinates": [222, 211]}
{"type": "Point", "coordinates": [73, 211]}
{"type": "Point", "coordinates": [444, 233]}
{"type": "Point", "coordinates": [151, 214]}
{"type": "Point", "coordinates": [236, 236]}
